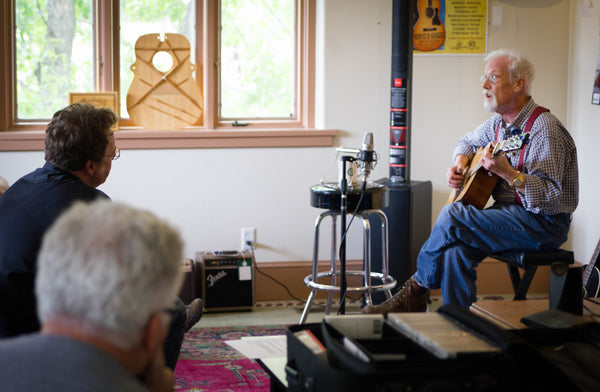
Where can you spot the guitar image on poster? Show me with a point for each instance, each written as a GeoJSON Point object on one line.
{"type": "Point", "coordinates": [429, 32]}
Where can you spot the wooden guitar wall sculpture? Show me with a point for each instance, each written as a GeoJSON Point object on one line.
{"type": "Point", "coordinates": [168, 99]}
{"type": "Point", "coordinates": [429, 32]}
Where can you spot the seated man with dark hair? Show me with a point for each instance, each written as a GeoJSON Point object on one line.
{"type": "Point", "coordinates": [106, 278]}
{"type": "Point", "coordinates": [79, 150]}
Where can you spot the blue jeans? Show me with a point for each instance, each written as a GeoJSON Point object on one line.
{"type": "Point", "coordinates": [464, 235]}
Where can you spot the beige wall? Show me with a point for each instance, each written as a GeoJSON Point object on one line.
{"type": "Point", "coordinates": [584, 122]}
{"type": "Point", "coordinates": [210, 194]}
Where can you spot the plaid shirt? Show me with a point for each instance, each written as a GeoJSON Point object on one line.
{"type": "Point", "coordinates": [550, 162]}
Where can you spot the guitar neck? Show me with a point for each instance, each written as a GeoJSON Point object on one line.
{"type": "Point", "coordinates": [594, 260]}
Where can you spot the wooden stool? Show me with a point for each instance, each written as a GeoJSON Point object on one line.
{"type": "Point", "coordinates": [528, 261]}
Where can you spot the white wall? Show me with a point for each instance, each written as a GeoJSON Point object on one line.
{"type": "Point", "coordinates": [211, 193]}
{"type": "Point", "coordinates": [584, 122]}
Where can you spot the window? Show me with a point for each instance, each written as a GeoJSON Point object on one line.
{"type": "Point", "coordinates": [266, 60]}
{"type": "Point", "coordinates": [250, 92]}
{"type": "Point", "coordinates": [45, 42]}
{"type": "Point", "coordinates": [143, 18]}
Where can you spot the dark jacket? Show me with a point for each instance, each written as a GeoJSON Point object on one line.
{"type": "Point", "coordinates": [27, 209]}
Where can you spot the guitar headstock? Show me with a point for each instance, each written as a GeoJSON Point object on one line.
{"type": "Point", "coordinates": [524, 137]}
{"type": "Point", "coordinates": [513, 143]}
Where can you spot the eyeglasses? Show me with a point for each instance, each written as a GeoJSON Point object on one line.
{"type": "Point", "coordinates": [491, 78]}
{"type": "Point", "coordinates": [116, 155]}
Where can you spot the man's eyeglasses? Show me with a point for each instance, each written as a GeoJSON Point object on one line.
{"type": "Point", "coordinates": [116, 155]}
{"type": "Point", "coordinates": [491, 78]}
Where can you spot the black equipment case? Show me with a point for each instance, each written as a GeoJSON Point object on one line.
{"type": "Point", "coordinates": [521, 361]}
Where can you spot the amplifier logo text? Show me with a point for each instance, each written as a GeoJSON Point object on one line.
{"type": "Point", "coordinates": [212, 279]}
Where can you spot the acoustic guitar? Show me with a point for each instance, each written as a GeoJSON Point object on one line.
{"type": "Point", "coordinates": [591, 275]}
{"type": "Point", "coordinates": [429, 32]}
{"type": "Point", "coordinates": [479, 183]}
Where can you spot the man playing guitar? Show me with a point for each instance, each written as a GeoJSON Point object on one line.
{"type": "Point", "coordinates": [534, 198]}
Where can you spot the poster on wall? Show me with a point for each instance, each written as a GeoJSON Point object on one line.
{"type": "Point", "coordinates": [596, 87]}
{"type": "Point", "coordinates": [450, 27]}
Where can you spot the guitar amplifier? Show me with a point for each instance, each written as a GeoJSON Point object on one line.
{"type": "Point", "coordinates": [226, 280]}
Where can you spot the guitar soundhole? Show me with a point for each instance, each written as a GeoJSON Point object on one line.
{"type": "Point", "coordinates": [162, 61]}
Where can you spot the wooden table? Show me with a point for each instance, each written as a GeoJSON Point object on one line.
{"type": "Point", "coordinates": [508, 314]}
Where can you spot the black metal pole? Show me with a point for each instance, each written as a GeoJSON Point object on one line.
{"type": "Point", "coordinates": [343, 211]}
{"type": "Point", "coordinates": [401, 89]}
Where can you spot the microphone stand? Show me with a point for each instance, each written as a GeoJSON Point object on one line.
{"type": "Point", "coordinates": [367, 156]}
{"type": "Point", "coordinates": [343, 212]}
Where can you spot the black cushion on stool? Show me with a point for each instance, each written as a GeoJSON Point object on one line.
{"type": "Point", "coordinates": [528, 261]}
{"type": "Point", "coordinates": [522, 258]}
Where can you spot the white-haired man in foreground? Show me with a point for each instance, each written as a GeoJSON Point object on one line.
{"type": "Point", "coordinates": [107, 277]}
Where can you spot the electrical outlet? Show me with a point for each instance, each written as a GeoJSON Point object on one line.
{"type": "Point", "coordinates": [248, 236]}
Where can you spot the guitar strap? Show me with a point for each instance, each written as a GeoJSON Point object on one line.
{"type": "Point", "coordinates": [534, 115]}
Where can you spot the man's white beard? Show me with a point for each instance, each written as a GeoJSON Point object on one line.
{"type": "Point", "coordinates": [490, 105]}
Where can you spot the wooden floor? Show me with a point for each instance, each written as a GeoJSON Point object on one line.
{"type": "Point", "coordinates": [508, 314]}
{"type": "Point", "coordinates": [289, 311]}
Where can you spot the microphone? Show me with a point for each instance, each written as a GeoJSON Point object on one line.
{"type": "Point", "coordinates": [367, 155]}
{"type": "Point", "coordinates": [366, 152]}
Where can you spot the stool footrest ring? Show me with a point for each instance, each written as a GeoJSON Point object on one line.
{"type": "Point", "coordinates": [387, 283]}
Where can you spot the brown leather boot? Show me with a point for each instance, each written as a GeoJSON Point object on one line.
{"type": "Point", "coordinates": [405, 300]}
{"type": "Point", "coordinates": [193, 313]}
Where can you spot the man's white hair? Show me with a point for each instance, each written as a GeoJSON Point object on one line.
{"type": "Point", "coordinates": [518, 66]}
{"type": "Point", "coordinates": [108, 267]}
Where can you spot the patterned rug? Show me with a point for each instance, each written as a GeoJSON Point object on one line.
{"type": "Point", "coordinates": [207, 363]}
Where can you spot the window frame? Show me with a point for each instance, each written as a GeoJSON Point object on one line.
{"type": "Point", "coordinates": [299, 132]}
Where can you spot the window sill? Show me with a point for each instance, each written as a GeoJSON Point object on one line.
{"type": "Point", "coordinates": [192, 138]}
